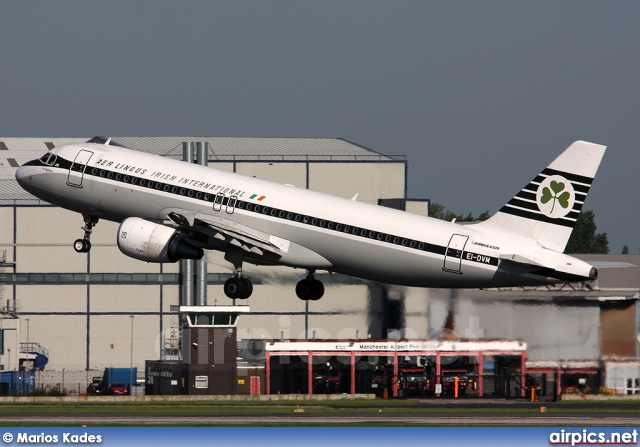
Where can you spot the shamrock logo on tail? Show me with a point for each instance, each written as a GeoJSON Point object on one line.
{"type": "Point", "coordinates": [557, 195]}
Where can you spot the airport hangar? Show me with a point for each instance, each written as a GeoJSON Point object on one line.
{"type": "Point", "coordinates": [104, 309]}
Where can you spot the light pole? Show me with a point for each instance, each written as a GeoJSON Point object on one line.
{"type": "Point", "coordinates": [9, 364]}
{"type": "Point", "coordinates": [27, 321]}
{"type": "Point", "coordinates": [131, 358]}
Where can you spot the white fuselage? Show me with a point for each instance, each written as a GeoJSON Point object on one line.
{"type": "Point", "coordinates": [359, 239]}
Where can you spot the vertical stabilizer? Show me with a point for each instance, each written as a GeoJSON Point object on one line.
{"type": "Point", "coordinates": [545, 211]}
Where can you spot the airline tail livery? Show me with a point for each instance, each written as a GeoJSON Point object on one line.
{"type": "Point", "coordinates": [170, 210]}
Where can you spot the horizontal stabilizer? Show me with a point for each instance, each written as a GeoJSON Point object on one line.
{"type": "Point", "coordinates": [611, 264]}
{"type": "Point", "coordinates": [520, 260]}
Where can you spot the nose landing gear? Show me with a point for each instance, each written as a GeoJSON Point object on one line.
{"type": "Point", "coordinates": [84, 245]}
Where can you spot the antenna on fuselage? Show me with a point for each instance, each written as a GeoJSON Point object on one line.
{"type": "Point", "coordinates": [106, 143]}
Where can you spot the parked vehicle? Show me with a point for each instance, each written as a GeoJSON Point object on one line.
{"type": "Point", "coordinates": [97, 387]}
{"type": "Point", "coordinates": [412, 381]}
{"type": "Point", "coordinates": [327, 380]}
{"type": "Point", "coordinates": [117, 389]}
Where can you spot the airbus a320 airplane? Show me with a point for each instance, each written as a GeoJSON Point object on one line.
{"type": "Point", "coordinates": [171, 210]}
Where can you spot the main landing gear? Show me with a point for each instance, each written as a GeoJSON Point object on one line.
{"type": "Point", "coordinates": [310, 288]}
{"type": "Point", "coordinates": [237, 286]}
{"type": "Point", "coordinates": [84, 245]}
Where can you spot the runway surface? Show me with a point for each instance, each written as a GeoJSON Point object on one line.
{"type": "Point", "coordinates": [383, 420]}
{"type": "Point", "coordinates": [421, 414]}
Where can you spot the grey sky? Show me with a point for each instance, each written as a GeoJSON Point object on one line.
{"type": "Point", "coordinates": [480, 95]}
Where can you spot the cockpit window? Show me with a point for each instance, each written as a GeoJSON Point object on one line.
{"type": "Point", "coordinates": [49, 159]}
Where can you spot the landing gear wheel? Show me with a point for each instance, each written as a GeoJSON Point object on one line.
{"type": "Point", "coordinates": [303, 289]}
{"type": "Point", "coordinates": [238, 288]}
{"type": "Point", "coordinates": [248, 286]}
{"type": "Point", "coordinates": [233, 287]}
{"type": "Point", "coordinates": [310, 289]}
{"type": "Point", "coordinates": [318, 289]}
{"type": "Point", "coordinates": [82, 246]}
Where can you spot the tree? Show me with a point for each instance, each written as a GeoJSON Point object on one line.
{"type": "Point", "coordinates": [440, 212]}
{"type": "Point", "coordinates": [584, 238]}
{"type": "Point", "coordinates": [625, 250]}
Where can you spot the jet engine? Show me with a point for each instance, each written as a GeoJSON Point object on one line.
{"type": "Point", "coordinates": [151, 242]}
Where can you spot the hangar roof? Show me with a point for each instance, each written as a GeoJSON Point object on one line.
{"type": "Point", "coordinates": [14, 152]}
{"type": "Point", "coordinates": [255, 149]}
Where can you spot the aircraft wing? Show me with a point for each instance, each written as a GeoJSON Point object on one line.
{"type": "Point", "coordinates": [256, 244]}
{"type": "Point", "coordinates": [248, 239]}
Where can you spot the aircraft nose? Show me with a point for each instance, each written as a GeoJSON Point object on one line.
{"type": "Point", "coordinates": [22, 175]}
{"type": "Point", "coordinates": [25, 174]}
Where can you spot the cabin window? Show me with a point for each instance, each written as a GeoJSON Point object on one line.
{"type": "Point", "coordinates": [134, 180]}
{"type": "Point", "coordinates": [396, 240]}
{"type": "Point", "coordinates": [380, 236]}
{"type": "Point", "coordinates": [257, 208]}
{"type": "Point", "coordinates": [322, 223]}
{"type": "Point", "coordinates": [182, 191]}
{"type": "Point", "coordinates": [249, 206]}
{"type": "Point", "coordinates": [421, 246]}
{"type": "Point", "coordinates": [387, 238]}
{"type": "Point", "coordinates": [289, 216]}
{"type": "Point", "coordinates": [94, 171]}
{"type": "Point", "coordinates": [265, 209]}
{"type": "Point", "coordinates": [118, 177]}
{"type": "Point", "coordinates": [330, 225]}
{"type": "Point", "coordinates": [273, 211]}
{"type": "Point", "coordinates": [206, 197]}
{"type": "Point", "coordinates": [101, 173]}
{"type": "Point", "coordinates": [306, 219]}
{"type": "Point", "coordinates": [126, 179]}
{"type": "Point", "coordinates": [412, 244]}
{"type": "Point", "coordinates": [347, 228]}
{"type": "Point", "coordinates": [190, 193]}
{"type": "Point", "coordinates": [166, 188]}
{"type": "Point", "coordinates": [298, 217]}
{"type": "Point", "coordinates": [110, 175]}
{"type": "Point", "coordinates": [314, 222]}
{"type": "Point", "coordinates": [174, 189]}
{"type": "Point", "coordinates": [339, 227]}
{"type": "Point", "coordinates": [281, 214]}
{"type": "Point", "coordinates": [404, 242]}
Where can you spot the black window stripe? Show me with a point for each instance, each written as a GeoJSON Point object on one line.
{"type": "Point", "coordinates": [277, 213]}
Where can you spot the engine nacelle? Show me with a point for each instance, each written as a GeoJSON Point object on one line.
{"type": "Point", "coordinates": [151, 242]}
